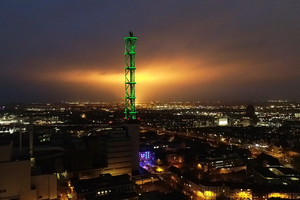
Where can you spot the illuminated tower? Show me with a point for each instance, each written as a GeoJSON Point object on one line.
{"type": "Point", "coordinates": [132, 125]}
{"type": "Point", "coordinates": [130, 112]}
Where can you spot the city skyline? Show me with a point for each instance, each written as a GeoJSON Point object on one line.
{"type": "Point", "coordinates": [63, 51]}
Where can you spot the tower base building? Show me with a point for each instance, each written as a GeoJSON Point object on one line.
{"type": "Point", "coordinates": [133, 130]}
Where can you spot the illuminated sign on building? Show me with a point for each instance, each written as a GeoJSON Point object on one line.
{"type": "Point", "coordinates": [145, 155]}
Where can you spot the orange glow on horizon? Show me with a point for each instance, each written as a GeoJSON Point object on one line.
{"type": "Point", "coordinates": [155, 78]}
{"type": "Point", "coordinates": [158, 75]}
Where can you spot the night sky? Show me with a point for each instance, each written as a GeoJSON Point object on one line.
{"type": "Point", "coordinates": [187, 50]}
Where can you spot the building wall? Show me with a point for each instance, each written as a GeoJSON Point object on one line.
{"type": "Point", "coordinates": [110, 187]}
{"type": "Point", "coordinates": [266, 180]}
{"type": "Point", "coordinates": [208, 191]}
{"type": "Point", "coordinates": [102, 153]}
{"type": "Point", "coordinates": [134, 132]}
{"type": "Point", "coordinates": [279, 194]}
{"type": "Point", "coordinates": [241, 194]}
{"type": "Point", "coordinates": [118, 171]}
{"type": "Point", "coordinates": [46, 186]}
{"type": "Point", "coordinates": [232, 169]}
{"type": "Point", "coordinates": [118, 148]}
{"type": "Point", "coordinates": [223, 163]}
{"type": "Point", "coordinates": [6, 152]}
{"type": "Point", "coordinates": [115, 155]}
{"type": "Point", "coordinates": [16, 180]}
{"type": "Point", "coordinates": [284, 195]}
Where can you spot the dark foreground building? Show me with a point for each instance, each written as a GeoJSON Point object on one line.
{"type": "Point", "coordinates": [106, 187]}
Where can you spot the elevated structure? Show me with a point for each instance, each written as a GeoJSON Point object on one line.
{"type": "Point", "coordinates": [131, 124]}
{"type": "Point", "coordinates": [130, 112]}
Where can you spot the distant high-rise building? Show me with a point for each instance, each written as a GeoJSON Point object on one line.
{"type": "Point", "coordinates": [250, 111]}
{"type": "Point", "coordinates": [250, 118]}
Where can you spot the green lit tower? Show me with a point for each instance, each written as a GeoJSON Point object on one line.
{"type": "Point", "coordinates": [130, 112]}
{"type": "Point", "coordinates": [132, 125]}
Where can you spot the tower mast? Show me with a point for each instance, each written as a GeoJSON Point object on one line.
{"type": "Point", "coordinates": [130, 112]}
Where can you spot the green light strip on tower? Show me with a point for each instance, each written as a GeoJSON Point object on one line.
{"type": "Point", "coordinates": [130, 112]}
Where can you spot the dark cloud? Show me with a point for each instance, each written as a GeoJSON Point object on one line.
{"type": "Point", "coordinates": [251, 43]}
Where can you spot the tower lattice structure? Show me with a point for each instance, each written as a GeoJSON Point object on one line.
{"type": "Point", "coordinates": [130, 111]}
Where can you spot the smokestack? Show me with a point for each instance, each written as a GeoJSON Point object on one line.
{"type": "Point", "coordinates": [31, 136]}
{"type": "Point", "coordinates": [20, 141]}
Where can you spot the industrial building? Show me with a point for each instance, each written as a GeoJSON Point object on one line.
{"type": "Point", "coordinates": [17, 181]}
